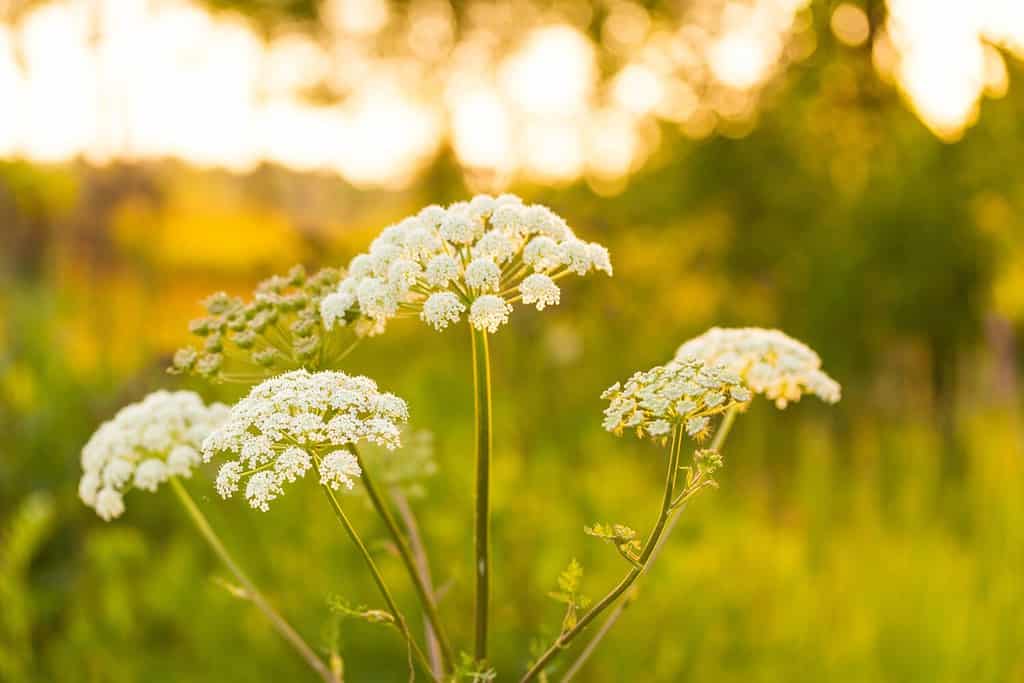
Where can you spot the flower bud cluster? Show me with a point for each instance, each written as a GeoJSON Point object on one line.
{"type": "Point", "coordinates": [279, 330]}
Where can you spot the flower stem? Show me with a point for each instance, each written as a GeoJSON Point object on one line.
{"type": "Point", "coordinates": [563, 640]}
{"type": "Point", "coordinates": [389, 600]}
{"type": "Point", "coordinates": [419, 553]}
{"type": "Point", "coordinates": [616, 614]}
{"type": "Point", "coordinates": [422, 590]}
{"type": "Point", "coordinates": [278, 622]}
{"type": "Point", "coordinates": [482, 409]}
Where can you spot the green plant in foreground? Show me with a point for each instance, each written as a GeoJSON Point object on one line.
{"type": "Point", "coordinates": [304, 417]}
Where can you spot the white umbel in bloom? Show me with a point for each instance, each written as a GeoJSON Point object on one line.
{"type": "Point", "coordinates": [684, 393]}
{"type": "Point", "coordinates": [143, 445]}
{"type": "Point", "coordinates": [480, 256]}
{"type": "Point", "coordinates": [769, 361]}
{"type": "Point", "coordinates": [300, 421]}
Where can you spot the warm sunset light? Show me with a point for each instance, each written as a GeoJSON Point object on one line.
{"type": "Point", "coordinates": [170, 79]}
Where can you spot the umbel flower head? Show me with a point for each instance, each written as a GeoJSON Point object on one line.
{"type": "Point", "coordinates": [684, 393]}
{"type": "Point", "coordinates": [299, 421]}
{"type": "Point", "coordinates": [143, 445]}
{"type": "Point", "coordinates": [769, 361]}
{"type": "Point", "coordinates": [279, 330]}
{"type": "Point", "coordinates": [474, 259]}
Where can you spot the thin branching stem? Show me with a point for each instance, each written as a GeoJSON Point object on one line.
{"type": "Point", "coordinates": [616, 613]}
{"type": "Point", "coordinates": [419, 553]}
{"type": "Point", "coordinates": [422, 590]}
{"type": "Point", "coordinates": [482, 410]}
{"type": "Point", "coordinates": [566, 637]}
{"type": "Point", "coordinates": [378, 579]}
{"type": "Point", "coordinates": [252, 593]}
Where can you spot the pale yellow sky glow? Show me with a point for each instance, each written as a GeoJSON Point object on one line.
{"type": "Point", "coordinates": [519, 93]}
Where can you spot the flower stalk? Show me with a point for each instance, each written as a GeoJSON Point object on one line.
{"type": "Point", "coordinates": [277, 621]}
{"type": "Point", "coordinates": [405, 552]}
{"type": "Point", "coordinates": [482, 410]}
{"type": "Point", "coordinates": [716, 444]}
{"type": "Point", "coordinates": [389, 600]}
{"type": "Point", "coordinates": [566, 637]}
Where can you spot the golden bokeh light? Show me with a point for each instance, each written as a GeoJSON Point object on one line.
{"type": "Point", "coordinates": [514, 89]}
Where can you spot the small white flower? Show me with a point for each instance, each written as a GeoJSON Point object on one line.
{"type": "Point", "coordinates": [376, 300]}
{"type": "Point", "coordinates": [457, 228]}
{"type": "Point", "coordinates": [483, 274]}
{"type": "Point", "coordinates": [576, 256]}
{"type": "Point", "coordinates": [338, 469]}
{"type": "Point", "coordinates": [600, 258]}
{"type": "Point", "coordinates": [109, 504]}
{"type": "Point", "coordinates": [88, 487]}
{"type": "Point", "coordinates": [228, 477]}
{"type": "Point", "coordinates": [292, 464]}
{"type": "Point", "coordinates": [441, 270]}
{"type": "Point", "coordinates": [696, 425]}
{"type": "Point", "coordinates": [182, 460]}
{"type": "Point", "coordinates": [539, 289]}
{"type": "Point", "coordinates": [262, 488]}
{"type": "Point", "coordinates": [542, 254]}
{"type": "Point", "coordinates": [659, 428]}
{"type": "Point", "coordinates": [144, 444]}
{"type": "Point", "coordinates": [403, 274]}
{"type": "Point", "coordinates": [489, 312]}
{"type": "Point", "coordinates": [289, 423]}
{"type": "Point", "coordinates": [495, 245]}
{"type": "Point", "coordinates": [441, 309]}
{"type": "Point", "coordinates": [150, 474]}
{"type": "Point", "coordinates": [360, 266]}
{"type": "Point", "coordinates": [118, 472]}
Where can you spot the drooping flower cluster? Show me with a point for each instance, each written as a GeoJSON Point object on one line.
{"type": "Point", "coordinates": [769, 361]}
{"type": "Point", "coordinates": [279, 330]}
{"type": "Point", "coordinates": [474, 258]}
{"type": "Point", "coordinates": [143, 445]}
{"type": "Point", "coordinates": [686, 393]}
{"type": "Point", "coordinates": [299, 421]}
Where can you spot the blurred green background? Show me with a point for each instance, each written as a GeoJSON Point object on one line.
{"type": "Point", "coordinates": [881, 539]}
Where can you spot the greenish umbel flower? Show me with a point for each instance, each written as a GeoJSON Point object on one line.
{"type": "Point", "coordinates": [281, 329]}
{"type": "Point", "coordinates": [683, 393]}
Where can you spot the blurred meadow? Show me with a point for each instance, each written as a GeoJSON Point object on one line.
{"type": "Point", "coordinates": [847, 172]}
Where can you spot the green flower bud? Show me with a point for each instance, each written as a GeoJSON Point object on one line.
{"type": "Point", "coordinates": [184, 360]}
{"type": "Point", "coordinates": [244, 339]}
{"type": "Point", "coordinates": [209, 363]}
{"type": "Point", "coordinates": [200, 326]}
{"type": "Point", "coordinates": [214, 343]}
{"type": "Point", "coordinates": [297, 275]}
{"type": "Point", "coordinates": [219, 303]}
{"type": "Point", "coordinates": [265, 357]}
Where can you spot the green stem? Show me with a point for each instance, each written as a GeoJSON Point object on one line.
{"type": "Point", "coordinates": [482, 409]}
{"type": "Point", "coordinates": [278, 622]}
{"type": "Point", "coordinates": [422, 590]}
{"type": "Point", "coordinates": [616, 614]}
{"type": "Point", "coordinates": [389, 600]}
{"type": "Point", "coordinates": [566, 637]}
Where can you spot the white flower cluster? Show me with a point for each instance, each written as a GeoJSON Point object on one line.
{"type": "Point", "coordinates": [683, 392]}
{"type": "Point", "coordinates": [479, 256]}
{"type": "Point", "coordinates": [769, 361]}
{"type": "Point", "coordinates": [143, 445]}
{"type": "Point", "coordinates": [299, 421]}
